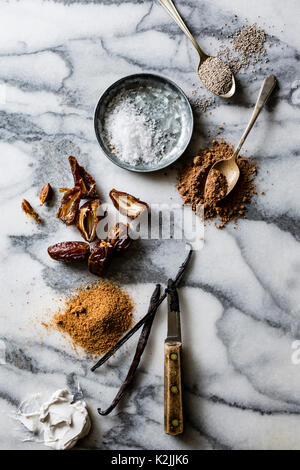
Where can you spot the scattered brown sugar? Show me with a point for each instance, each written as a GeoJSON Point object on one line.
{"type": "Point", "coordinates": [192, 179]}
{"type": "Point", "coordinates": [96, 317]}
{"type": "Point", "coordinates": [216, 186]}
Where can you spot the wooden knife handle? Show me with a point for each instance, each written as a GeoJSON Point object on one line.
{"type": "Point", "coordinates": [173, 389]}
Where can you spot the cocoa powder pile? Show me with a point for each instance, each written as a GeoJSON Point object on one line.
{"type": "Point", "coordinates": [96, 317]}
{"type": "Point", "coordinates": [216, 186]}
{"type": "Point", "coordinates": [192, 179]}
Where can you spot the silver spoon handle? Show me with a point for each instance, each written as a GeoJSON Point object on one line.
{"type": "Point", "coordinates": [171, 9]}
{"type": "Point", "coordinates": [264, 94]}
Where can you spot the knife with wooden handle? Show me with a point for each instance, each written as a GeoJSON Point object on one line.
{"type": "Point", "coordinates": [172, 372]}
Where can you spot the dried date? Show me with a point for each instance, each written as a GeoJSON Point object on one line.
{"type": "Point", "coordinates": [100, 257]}
{"type": "Point", "coordinates": [45, 194]}
{"type": "Point", "coordinates": [29, 210]}
{"type": "Point", "coordinates": [127, 204]}
{"type": "Point", "coordinates": [87, 219]}
{"type": "Point", "coordinates": [83, 179]}
{"type": "Point", "coordinates": [69, 252]}
{"type": "Point", "coordinates": [119, 237]}
{"type": "Point", "coordinates": [69, 206]}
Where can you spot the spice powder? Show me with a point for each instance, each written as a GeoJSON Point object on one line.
{"type": "Point", "coordinates": [216, 186]}
{"type": "Point", "coordinates": [192, 180]}
{"type": "Point", "coordinates": [96, 317]}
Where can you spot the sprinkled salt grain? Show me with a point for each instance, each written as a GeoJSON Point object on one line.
{"type": "Point", "coordinates": [142, 125]}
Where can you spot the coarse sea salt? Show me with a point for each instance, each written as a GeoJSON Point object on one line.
{"type": "Point", "coordinates": [142, 125]}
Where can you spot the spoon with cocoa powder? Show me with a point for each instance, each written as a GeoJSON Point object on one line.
{"type": "Point", "coordinates": [225, 173]}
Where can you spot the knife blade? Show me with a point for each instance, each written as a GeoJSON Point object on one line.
{"type": "Point", "coordinates": [172, 366]}
{"type": "Point", "coordinates": [174, 327]}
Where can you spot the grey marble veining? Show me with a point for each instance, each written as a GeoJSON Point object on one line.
{"type": "Point", "coordinates": [241, 297]}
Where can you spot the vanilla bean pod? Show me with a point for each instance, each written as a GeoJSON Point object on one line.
{"type": "Point", "coordinates": [139, 324]}
{"type": "Point", "coordinates": [142, 343]}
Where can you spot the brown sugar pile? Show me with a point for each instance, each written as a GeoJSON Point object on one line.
{"type": "Point", "coordinates": [193, 177]}
{"type": "Point", "coordinates": [96, 317]}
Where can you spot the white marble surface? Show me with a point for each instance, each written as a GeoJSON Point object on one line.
{"type": "Point", "coordinates": [240, 300]}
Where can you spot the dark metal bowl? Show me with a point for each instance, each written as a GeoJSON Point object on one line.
{"type": "Point", "coordinates": [138, 81]}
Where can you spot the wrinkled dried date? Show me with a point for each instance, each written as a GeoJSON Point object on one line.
{"type": "Point", "coordinates": [69, 252]}
{"type": "Point", "coordinates": [69, 205]}
{"type": "Point", "coordinates": [64, 190]}
{"type": "Point", "coordinates": [45, 194]}
{"type": "Point", "coordinates": [119, 237]}
{"type": "Point", "coordinates": [29, 210]}
{"type": "Point", "coordinates": [100, 257]}
{"type": "Point", "coordinates": [87, 219]}
{"type": "Point", "coordinates": [83, 179]}
{"type": "Point", "coordinates": [118, 240]}
{"type": "Point", "coordinates": [127, 204]}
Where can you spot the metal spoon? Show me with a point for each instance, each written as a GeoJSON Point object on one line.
{"type": "Point", "coordinates": [170, 7]}
{"type": "Point", "coordinates": [229, 167]}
